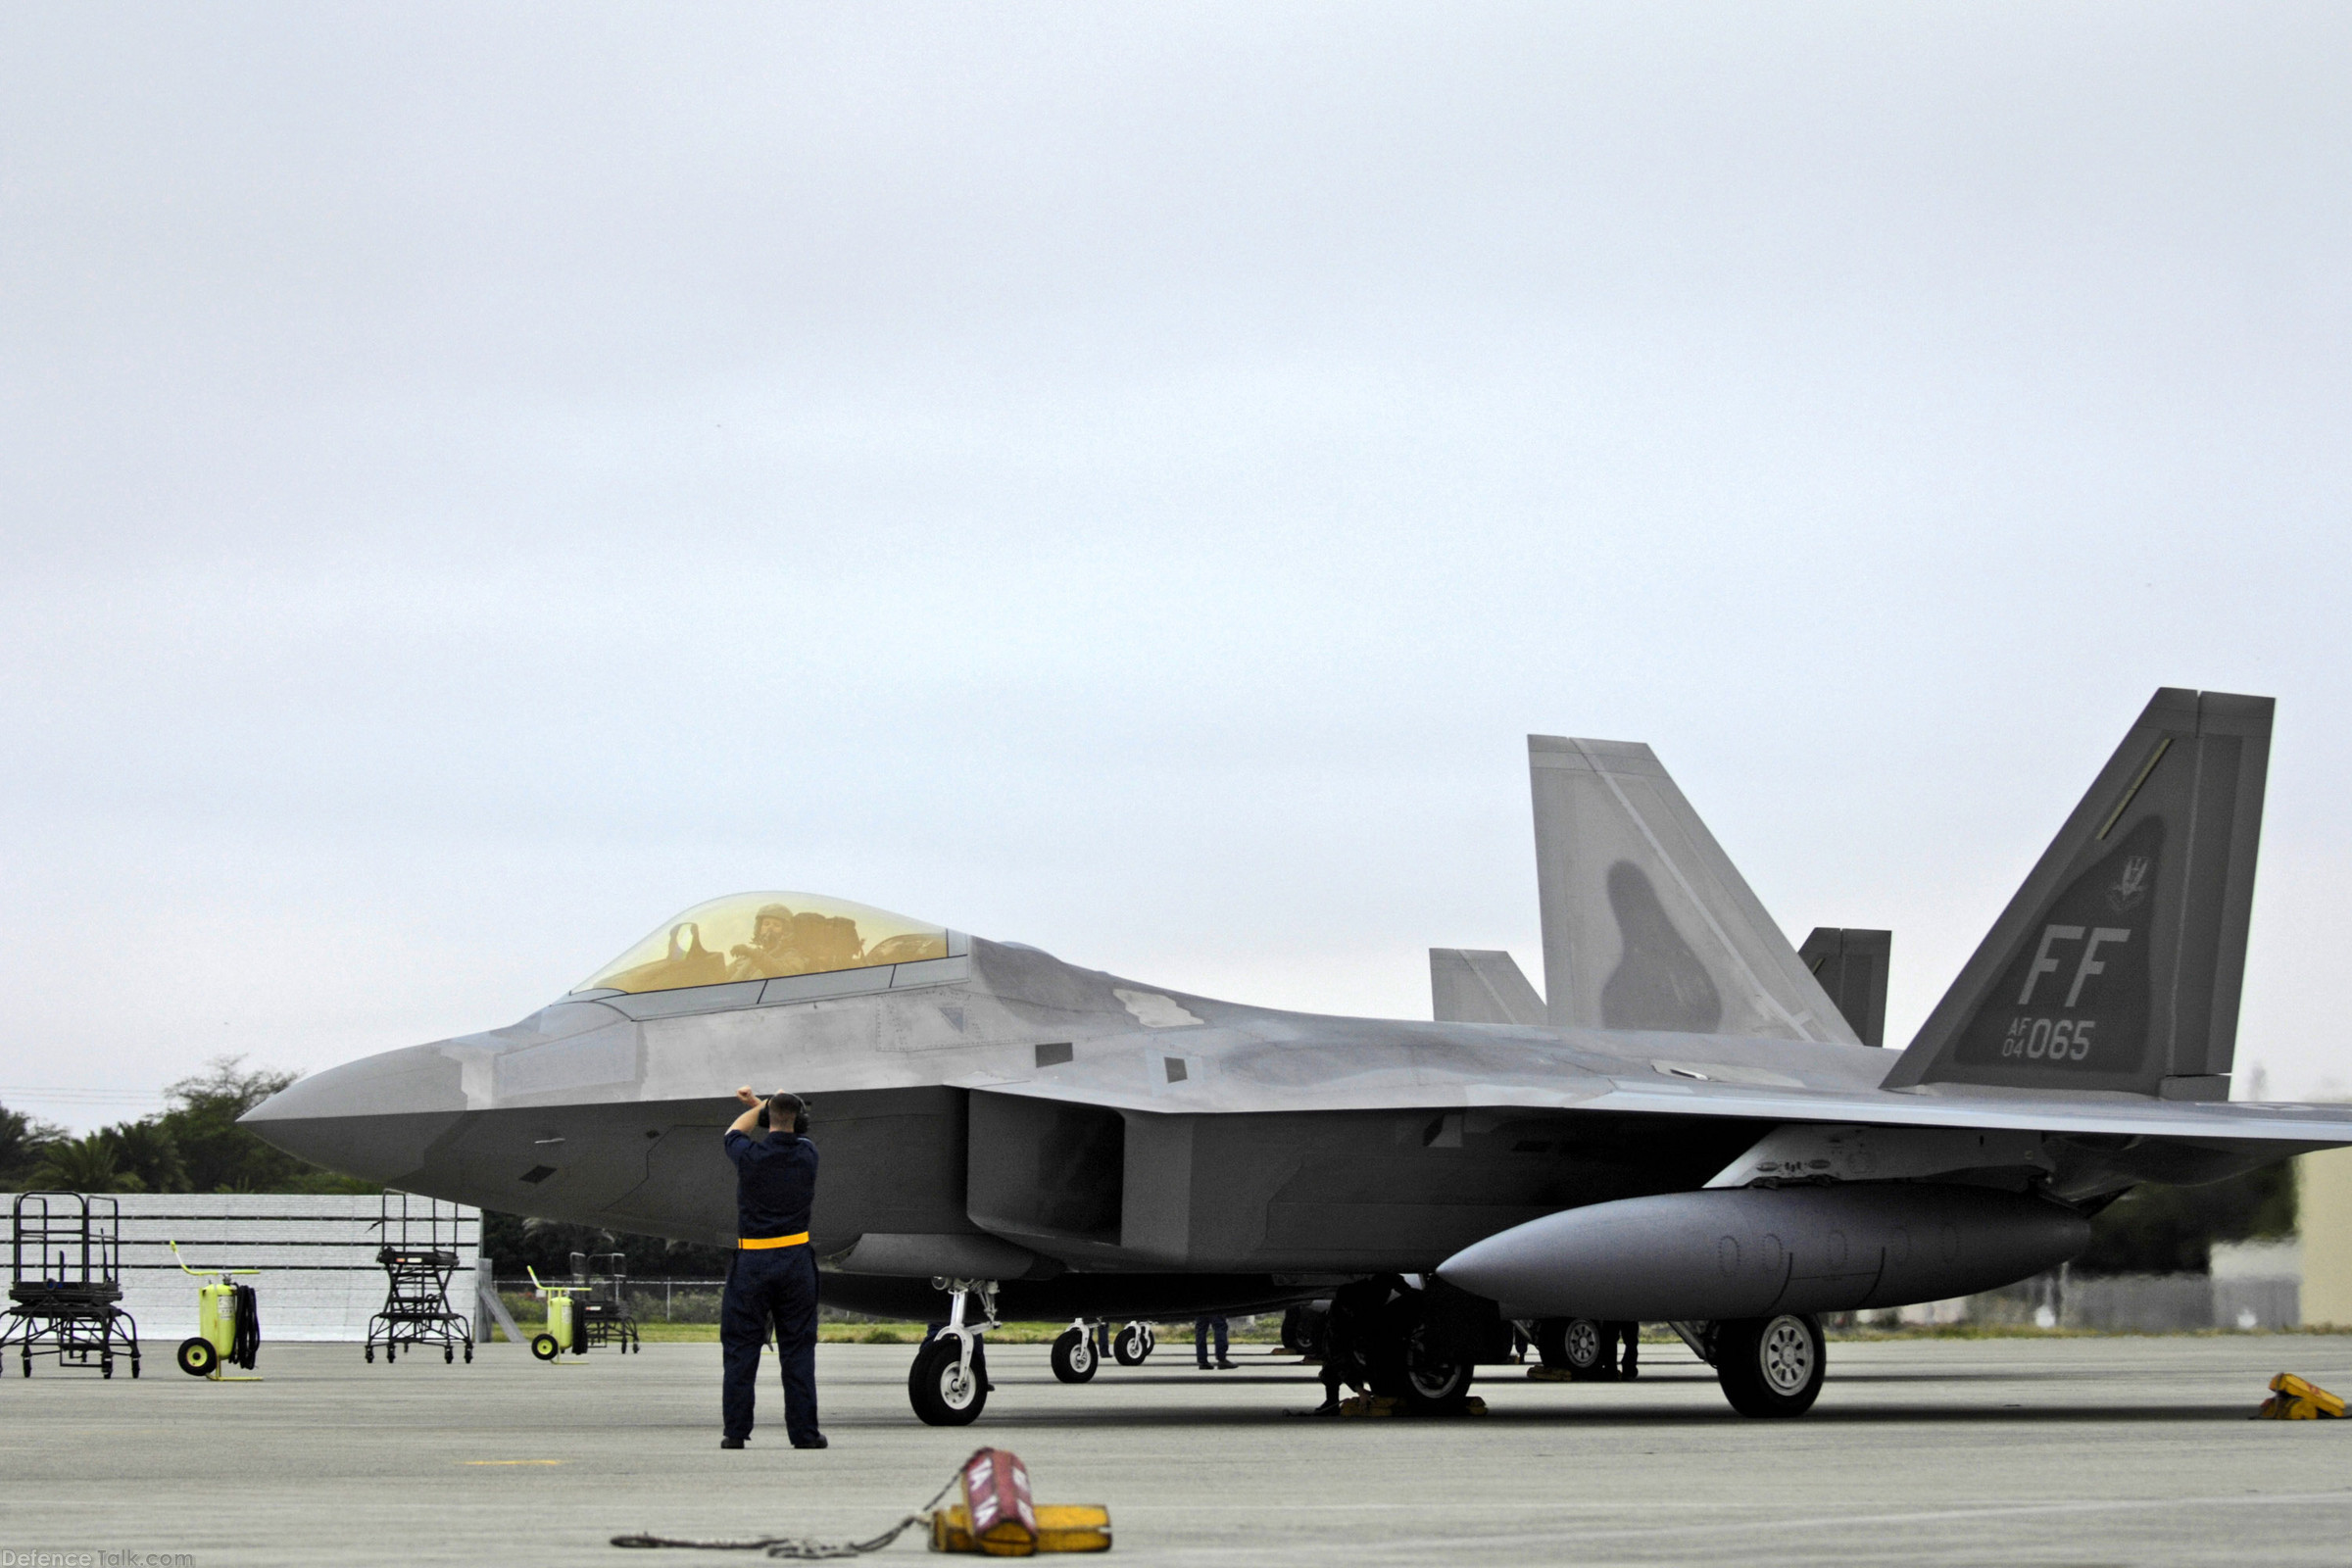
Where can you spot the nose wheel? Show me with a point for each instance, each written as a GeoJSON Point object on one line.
{"type": "Point", "coordinates": [948, 1385]}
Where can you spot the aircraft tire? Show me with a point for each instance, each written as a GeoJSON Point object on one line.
{"type": "Point", "coordinates": [1131, 1344]}
{"type": "Point", "coordinates": [1305, 1329]}
{"type": "Point", "coordinates": [1570, 1344]}
{"type": "Point", "coordinates": [1074, 1358]}
{"type": "Point", "coordinates": [1771, 1367]}
{"type": "Point", "coordinates": [943, 1393]}
{"type": "Point", "coordinates": [1585, 1347]}
{"type": "Point", "coordinates": [1410, 1361]}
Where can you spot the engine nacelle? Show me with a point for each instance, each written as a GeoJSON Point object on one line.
{"type": "Point", "coordinates": [1750, 1251]}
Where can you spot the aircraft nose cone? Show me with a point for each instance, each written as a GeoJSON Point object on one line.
{"type": "Point", "coordinates": [376, 1118]}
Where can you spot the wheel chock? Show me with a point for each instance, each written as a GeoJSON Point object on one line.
{"type": "Point", "coordinates": [1382, 1405]}
{"type": "Point", "coordinates": [1550, 1374]}
{"type": "Point", "coordinates": [998, 1519]}
{"type": "Point", "coordinates": [2293, 1400]}
{"type": "Point", "coordinates": [1060, 1526]}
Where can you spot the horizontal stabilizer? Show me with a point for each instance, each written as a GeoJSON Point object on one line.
{"type": "Point", "coordinates": [1647, 923]}
{"type": "Point", "coordinates": [2118, 964]}
{"type": "Point", "coordinates": [1470, 985]}
{"type": "Point", "coordinates": [1852, 966]}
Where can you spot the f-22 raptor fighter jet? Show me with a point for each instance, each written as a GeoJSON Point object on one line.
{"type": "Point", "coordinates": [1687, 1130]}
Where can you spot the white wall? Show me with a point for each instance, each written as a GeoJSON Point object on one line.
{"type": "Point", "coordinates": [319, 1279]}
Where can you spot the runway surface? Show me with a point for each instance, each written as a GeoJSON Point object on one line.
{"type": "Point", "coordinates": [2073, 1451]}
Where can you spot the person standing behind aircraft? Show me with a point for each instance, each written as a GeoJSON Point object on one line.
{"type": "Point", "coordinates": [772, 1277]}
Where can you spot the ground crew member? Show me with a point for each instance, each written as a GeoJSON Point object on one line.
{"type": "Point", "coordinates": [1348, 1333]}
{"type": "Point", "coordinates": [771, 1278]}
{"type": "Point", "coordinates": [1202, 1328]}
{"type": "Point", "coordinates": [1631, 1333]}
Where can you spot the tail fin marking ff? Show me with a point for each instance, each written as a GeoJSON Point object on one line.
{"type": "Point", "coordinates": [1647, 923]}
{"type": "Point", "coordinates": [2118, 964]}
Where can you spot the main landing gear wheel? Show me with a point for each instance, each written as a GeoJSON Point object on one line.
{"type": "Point", "coordinates": [544, 1348]}
{"type": "Point", "coordinates": [198, 1356]}
{"type": "Point", "coordinates": [1134, 1344]}
{"type": "Point", "coordinates": [1412, 1361]}
{"type": "Point", "coordinates": [944, 1391]}
{"type": "Point", "coordinates": [1771, 1366]}
{"type": "Point", "coordinates": [1074, 1358]}
{"type": "Point", "coordinates": [1570, 1343]}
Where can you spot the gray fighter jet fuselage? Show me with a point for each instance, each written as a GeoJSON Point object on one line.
{"type": "Point", "coordinates": [1686, 1130]}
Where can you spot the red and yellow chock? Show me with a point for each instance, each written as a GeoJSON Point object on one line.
{"type": "Point", "coordinates": [2293, 1400]}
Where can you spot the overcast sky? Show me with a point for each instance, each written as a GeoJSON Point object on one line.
{"type": "Point", "coordinates": [479, 479]}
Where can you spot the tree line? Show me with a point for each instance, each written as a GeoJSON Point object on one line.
{"type": "Point", "coordinates": [194, 1145]}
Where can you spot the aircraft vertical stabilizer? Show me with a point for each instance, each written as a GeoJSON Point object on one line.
{"type": "Point", "coordinates": [2118, 963]}
{"type": "Point", "coordinates": [1468, 984]}
{"type": "Point", "coordinates": [1852, 966]}
{"type": "Point", "coordinates": [1647, 923]}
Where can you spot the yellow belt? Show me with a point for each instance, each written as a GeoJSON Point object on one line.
{"type": "Point", "coordinates": [760, 1244]}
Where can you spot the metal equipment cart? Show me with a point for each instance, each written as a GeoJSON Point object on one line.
{"type": "Point", "coordinates": [64, 1281]}
{"type": "Point", "coordinates": [419, 1256]}
{"type": "Point", "coordinates": [603, 1311]}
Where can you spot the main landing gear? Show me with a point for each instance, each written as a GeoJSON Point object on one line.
{"type": "Point", "coordinates": [1770, 1366]}
{"type": "Point", "coordinates": [1404, 1343]}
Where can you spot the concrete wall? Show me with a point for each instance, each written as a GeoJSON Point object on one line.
{"type": "Point", "coordinates": [319, 1279]}
{"type": "Point", "coordinates": [2323, 1203]}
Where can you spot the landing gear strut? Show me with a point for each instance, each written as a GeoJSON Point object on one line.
{"type": "Point", "coordinates": [948, 1385]}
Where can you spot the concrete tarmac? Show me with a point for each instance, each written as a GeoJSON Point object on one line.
{"type": "Point", "coordinates": [2011, 1451]}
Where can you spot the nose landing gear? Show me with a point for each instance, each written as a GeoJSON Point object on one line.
{"type": "Point", "coordinates": [948, 1385]}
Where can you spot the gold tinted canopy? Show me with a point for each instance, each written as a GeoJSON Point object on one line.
{"type": "Point", "coordinates": [765, 935]}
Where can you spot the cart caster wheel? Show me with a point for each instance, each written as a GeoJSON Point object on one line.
{"type": "Point", "coordinates": [448, 1355]}
{"type": "Point", "coordinates": [106, 1367]}
{"type": "Point", "coordinates": [469, 1355]}
{"type": "Point", "coordinates": [389, 1353]}
{"type": "Point", "coordinates": [135, 1369]}
{"type": "Point", "coordinates": [544, 1348]}
{"type": "Point", "coordinates": [371, 1355]}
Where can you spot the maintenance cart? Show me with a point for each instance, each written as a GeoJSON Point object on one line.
{"type": "Point", "coordinates": [229, 1325]}
{"type": "Point", "coordinates": [602, 1313]}
{"type": "Point", "coordinates": [65, 1283]}
{"type": "Point", "coordinates": [419, 1256]}
{"type": "Point", "coordinates": [564, 1330]}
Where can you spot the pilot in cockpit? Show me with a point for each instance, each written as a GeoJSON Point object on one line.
{"type": "Point", "coordinates": [770, 952]}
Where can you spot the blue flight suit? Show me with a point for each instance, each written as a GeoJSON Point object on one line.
{"type": "Point", "coordinates": [775, 1182]}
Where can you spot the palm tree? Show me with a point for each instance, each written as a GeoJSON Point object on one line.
{"type": "Point", "coordinates": [83, 1165]}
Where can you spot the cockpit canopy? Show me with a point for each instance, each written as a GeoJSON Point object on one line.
{"type": "Point", "coordinates": [766, 935]}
